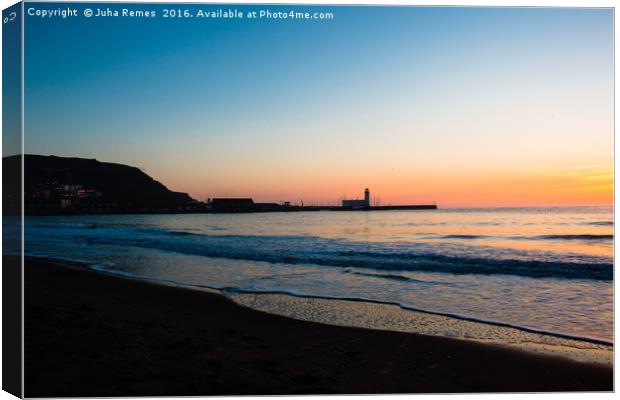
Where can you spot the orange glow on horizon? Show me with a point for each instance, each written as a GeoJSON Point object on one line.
{"type": "Point", "coordinates": [535, 186]}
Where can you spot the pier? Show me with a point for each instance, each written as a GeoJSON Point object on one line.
{"type": "Point", "coordinates": [247, 205]}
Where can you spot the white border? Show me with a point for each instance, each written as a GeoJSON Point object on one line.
{"type": "Point", "coordinates": [480, 3]}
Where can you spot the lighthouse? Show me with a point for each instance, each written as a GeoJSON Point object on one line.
{"type": "Point", "coordinates": [358, 204]}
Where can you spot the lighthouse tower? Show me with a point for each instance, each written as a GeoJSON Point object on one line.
{"type": "Point", "coordinates": [367, 197]}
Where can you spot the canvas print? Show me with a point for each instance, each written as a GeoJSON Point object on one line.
{"type": "Point", "coordinates": [235, 199]}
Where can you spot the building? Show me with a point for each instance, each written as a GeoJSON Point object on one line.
{"type": "Point", "coordinates": [232, 205]}
{"type": "Point", "coordinates": [357, 204]}
{"type": "Point", "coordinates": [237, 205]}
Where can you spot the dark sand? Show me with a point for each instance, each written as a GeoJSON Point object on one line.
{"type": "Point", "coordinates": [89, 334]}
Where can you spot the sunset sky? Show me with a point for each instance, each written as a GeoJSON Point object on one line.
{"type": "Point", "coordinates": [461, 106]}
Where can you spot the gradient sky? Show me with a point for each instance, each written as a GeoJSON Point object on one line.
{"type": "Point", "coordinates": [461, 106]}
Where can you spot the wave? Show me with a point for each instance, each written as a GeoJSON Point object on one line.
{"type": "Point", "coordinates": [465, 236]}
{"type": "Point", "coordinates": [397, 278]}
{"type": "Point", "coordinates": [385, 276]}
{"type": "Point", "coordinates": [183, 233]}
{"type": "Point", "coordinates": [538, 237]}
{"type": "Point", "coordinates": [447, 257]}
{"type": "Point", "coordinates": [415, 309]}
{"type": "Point", "coordinates": [376, 256]}
{"type": "Point", "coordinates": [576, 237]}
{"type": "Point", "coordinates": [600, 223]}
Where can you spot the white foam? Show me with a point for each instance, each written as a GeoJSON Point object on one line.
{"type": "Point", "coordinates": [394, 318]}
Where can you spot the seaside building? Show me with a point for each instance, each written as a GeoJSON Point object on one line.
{"type": "Point", "coordinates": [356, 204]}
{"type": "Point", "coordinates": [232, 205]}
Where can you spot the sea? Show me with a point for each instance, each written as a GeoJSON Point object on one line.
{"type": "Point", "coordinates": [542, 270]}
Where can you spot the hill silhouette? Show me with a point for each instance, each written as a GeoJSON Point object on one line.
{"type": "Point", "coordinates": [83, 185]}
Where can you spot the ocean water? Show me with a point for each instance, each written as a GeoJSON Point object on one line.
{"type": "Point", "coordinates": [541, 269]}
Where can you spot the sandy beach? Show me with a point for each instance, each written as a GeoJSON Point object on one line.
{"type": "Point", "coordinates": [90, 334]}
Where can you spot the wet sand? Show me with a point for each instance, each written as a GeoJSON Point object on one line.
{"type": "Point", "coordinates": [89, 334]}
{"type": "Point", "coordinates": [390, 317]}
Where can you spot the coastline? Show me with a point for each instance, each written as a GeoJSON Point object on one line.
{"type": "Point", "coordinates": [394, 317]}
{"type": "Point", "coordinates": [90, 333]}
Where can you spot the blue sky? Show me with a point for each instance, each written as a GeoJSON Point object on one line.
{"type": "Point", "coordinates": [243, 107]}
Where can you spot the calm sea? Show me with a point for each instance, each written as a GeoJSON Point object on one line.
{"type": "Point", "coordinates": [548, 269]}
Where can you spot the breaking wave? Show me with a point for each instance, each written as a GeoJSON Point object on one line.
{"type": "Point", "coordinates": [393, 256]}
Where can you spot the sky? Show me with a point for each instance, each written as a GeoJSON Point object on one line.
{"type": "Point", "coordinates": [458, 106]}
